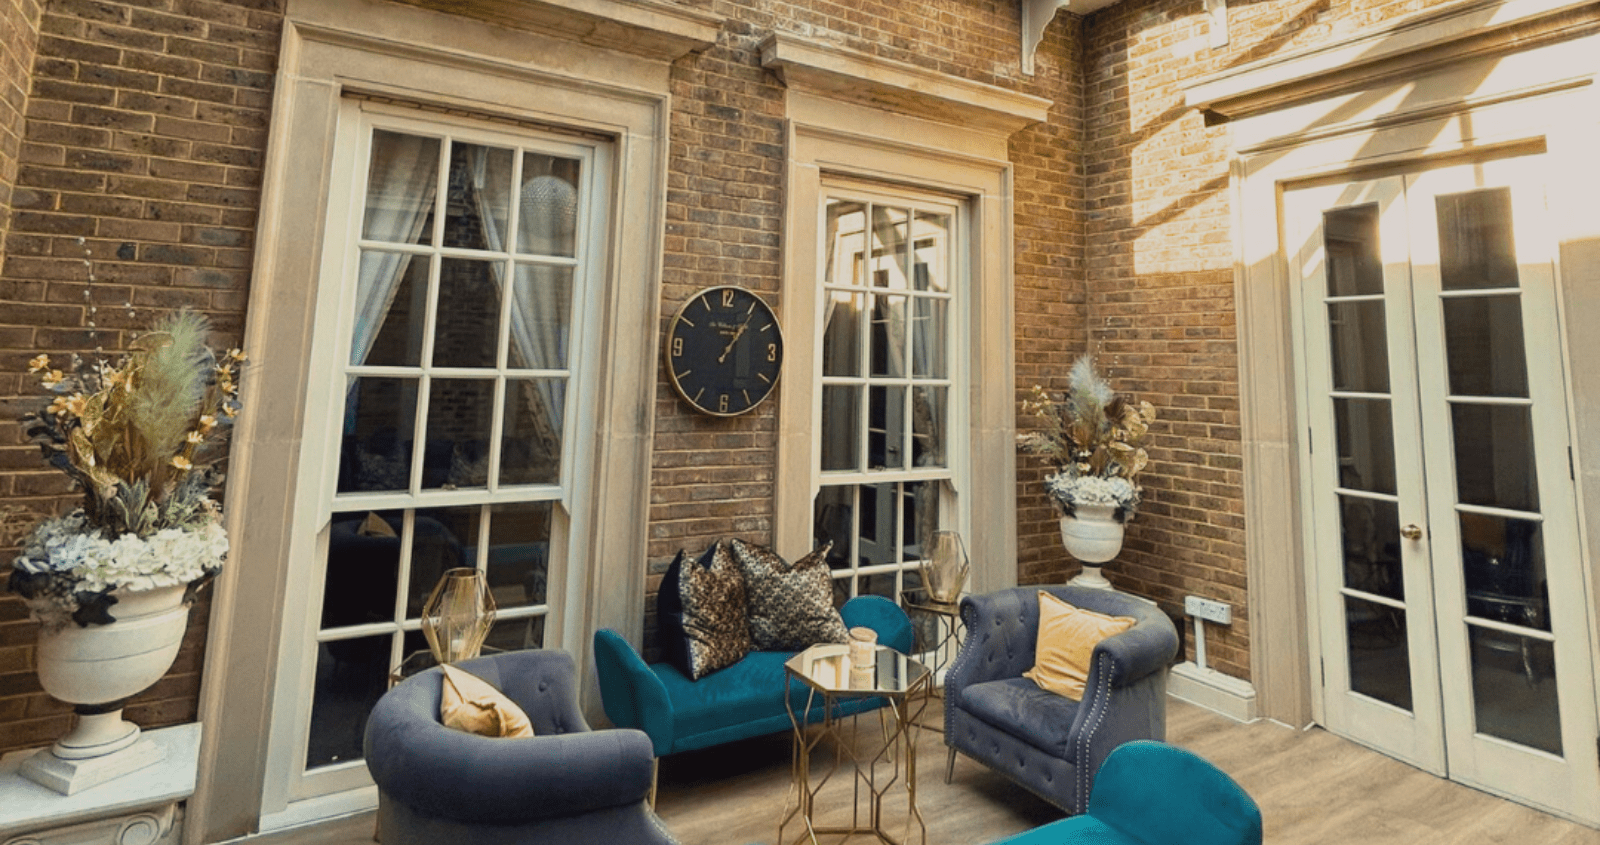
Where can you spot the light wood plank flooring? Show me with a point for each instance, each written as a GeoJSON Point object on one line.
{"type": "Point", "coordinates": [1312, 788]}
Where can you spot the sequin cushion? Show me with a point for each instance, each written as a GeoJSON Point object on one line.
{"type": "Point", "coordinates": [714, 611]}
{"type": "Point", "coordinates": [791, 604]}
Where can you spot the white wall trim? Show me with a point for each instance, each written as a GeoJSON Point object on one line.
{"type": "Point", "coordinates": [1208, 688]}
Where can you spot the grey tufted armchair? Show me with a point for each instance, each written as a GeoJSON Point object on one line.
{"type": "Point", "coordinates": [566, 784]}
{"type": "Point", "coordinates": [1050, 744]}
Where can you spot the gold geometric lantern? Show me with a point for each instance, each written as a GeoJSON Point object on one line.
{"type": "Point", "coordinates": [458, 615]}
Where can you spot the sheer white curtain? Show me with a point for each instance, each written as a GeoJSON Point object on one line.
{"type": "Point", "coordinates": [402, 183]}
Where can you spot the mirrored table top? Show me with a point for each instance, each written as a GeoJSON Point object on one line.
{"type": "Point", "coordinates": [827, 668]}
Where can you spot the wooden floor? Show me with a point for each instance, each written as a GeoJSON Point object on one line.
{"type": "Point", "coordinates": [1312, 788]}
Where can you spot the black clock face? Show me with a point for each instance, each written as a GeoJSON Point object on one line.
{"type": "Point", "coordinates": [724, 351]}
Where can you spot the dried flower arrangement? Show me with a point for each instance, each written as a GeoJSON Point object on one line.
{"type": "Point", "coordinates": [1093, 439]}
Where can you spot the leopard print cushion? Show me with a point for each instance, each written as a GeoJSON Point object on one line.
{"type": "Point", "coordinates": [791, 605]}
{"type": "Point", "coordinates": [714, 611]}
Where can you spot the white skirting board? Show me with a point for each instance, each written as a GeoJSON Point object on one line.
{"type": "Point", "coordinates": [1213, 690]}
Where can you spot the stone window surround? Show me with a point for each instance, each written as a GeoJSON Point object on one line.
{"type": "Point", "coordinates": [608, 61]}
{"type": "Point", "coordinates": [1477, 78]}
{"type": "Point", "coordinates": [935, 132]}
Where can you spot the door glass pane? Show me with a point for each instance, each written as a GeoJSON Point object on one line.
{"type": "Point", "coordinates": [1350, 240]}
{"type": "Point", "coordinates": [888, 336]}
{"type": "Point", "coordinates": [841, 335]}
{"type": "Point", "coordinates": [443, 539]}
{"type": "Point", "coordinates": [1494, 456]}
{"type": "Point", "coordinates": [460, 412]}
{"type": "Point", "coordinates": [375, 455]}
{"type": "Point", "coordinates": [548, 222]}
{"type": "Point", "coordinates": [352, 675]}
{"type": "Point", "coordinates": [1503, 563]}
{"type": "Point", "coordinates": [519, 552]}
{"type": "Point", "coordinates": [530, 444]}
{"type": "Point", "coordinates": [1483, 345]}
{"type": "Point", "coordinates": [541, 317]}
{"type": "Point", "coordinates": [391, 310]}
{"type": "Point", "coordinates": [477, 211]}
{"type": "Point", "coordinates": [468, 318]}
{"type": "Point", "coordinates": [886, 427]}
{"type": "Point", "coordinates": [1359, 347]}
{"type": "Point", "coordinates": [1365, 429]}
{"type": "Point", "coordinates": [1370, 529]}
{"type": "Point", "coordinates": [1476, 249]}
{"type": "Point", "coordinates": [1514, 688]}
{"type": "Point", "coordinates": [841, 427]}
{"type": "Point", "coordinates": [1380, 661]}
{"type": "Point", "coordinates": [402, 179]}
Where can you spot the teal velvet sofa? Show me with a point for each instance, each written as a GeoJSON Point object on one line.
{"type": "Point", "coordinates": [740, 701]}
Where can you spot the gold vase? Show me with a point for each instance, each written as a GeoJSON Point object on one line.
{"type": "Point", "coordinates": [944, 567]}
{"type": "Point", "coordinates": [458, 615]}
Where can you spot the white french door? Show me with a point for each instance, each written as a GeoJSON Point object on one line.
{"type": "Point", "coordinates": [1447, 576]}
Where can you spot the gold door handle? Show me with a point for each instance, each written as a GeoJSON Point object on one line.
{"type": "Point", "coordinates": [1411, 531]}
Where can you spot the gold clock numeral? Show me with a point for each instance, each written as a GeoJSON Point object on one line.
{"type": "Point", "coordinates": [772, 352]}
{"type": "Point", "coordinates": [677, 347]}
{"type": "Point", "coordinates": [727, 298]}
{"type": "Point", "coordinates": [722, 404]}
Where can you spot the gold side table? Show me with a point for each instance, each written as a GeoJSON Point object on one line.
{"type": "Point", "coordinates": [947, 636]}
{"type": "Point", "coordinates": [826, 672]}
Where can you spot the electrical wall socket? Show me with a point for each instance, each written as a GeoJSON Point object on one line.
{"type": "Point", "coordinates": [1211, 611]}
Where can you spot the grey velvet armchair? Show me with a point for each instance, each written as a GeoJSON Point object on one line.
{"type": "Point", "coordinates": [1045, 742]}
{"type": "Point", "coordinates": [566, 784]}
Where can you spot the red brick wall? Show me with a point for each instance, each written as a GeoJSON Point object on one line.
{"type": "Point", "coordinates": [146, 125]}
{"type": "Point", "coordinates": [19, 38]}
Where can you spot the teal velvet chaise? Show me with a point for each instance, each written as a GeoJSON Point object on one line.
{"type": "Point", "coordinates": [1151, 793]}
{"type": "Point", "coordinates": [743, 700]}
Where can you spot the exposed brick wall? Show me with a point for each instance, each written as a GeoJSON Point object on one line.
{"type": "Point", "coordinates": [145, 130]}
{"type": "Point", "coordinates": [19, 21]}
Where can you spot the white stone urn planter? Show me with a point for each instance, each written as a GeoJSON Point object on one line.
{"type": "Point", "coordinates": [1093, 535]}
{"type": "Point", "coordinates": [97, 669]}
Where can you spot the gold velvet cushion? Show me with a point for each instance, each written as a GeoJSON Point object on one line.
{"type": "Point", "coordinates": [470, 704]}
{"type": "Point", "coordinates": [1067, 637]}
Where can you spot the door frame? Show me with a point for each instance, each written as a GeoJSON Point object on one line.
{"type": "Point", "coordinates": [1464, 80]}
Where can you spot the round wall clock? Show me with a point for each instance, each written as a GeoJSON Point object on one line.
{"type": "Point", "coordinates": [724, 351]}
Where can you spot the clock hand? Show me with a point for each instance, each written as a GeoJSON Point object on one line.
{"type": "Point", "coordinates": [737, 333]}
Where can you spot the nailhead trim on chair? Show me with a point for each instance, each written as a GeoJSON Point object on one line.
{"type": "Point", "coordinates": [1103, 692]}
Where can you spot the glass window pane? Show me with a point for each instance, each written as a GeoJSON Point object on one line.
{"type": "Point", "coordinates": [1380, 663]}
{"type": "Point", "coordinates": [919, 517]}
{"type": "Point", "coordinates": [1371, 533]}
{"type": "Point", "coordinates": [460, 412]}
{"type": "Point", "coordinates": [1503, 561]}
{"type": "Point", "coordinates": [929, 269]}
{"type": "Point", "coordinates": [886, 584]}
{"type": "Point", "coordinates": [877, 540]}
{"type": "Point", "coordinates": [519, 553]}
{"type": "Point", "coordinates": [888, 336]}
{"type": "Point", "coordinates": [844, 243]}
{"type": "Point", "coordinates": [889, 247]}
{"type": "Point", "coordinates": [1494, 456]}
{"type": "Point", "coordinates": [379, 415]}
{"type": "Point", "coordinates": [530, 444]}
{"type": "Point", "coordinates": [391, 310]}
{"type": "Point", "coordinates": [833, 521]}
{"type": "Point", "coordinates": [351, 676]}
{"type": "Point", "coordinates": [1476, 249]}
{"type": "Point", "coordinates": [363, 568]}
{"type": "Point", "coordinates": [541, 317]}
{"type": "Point", "coordinates": [1350, 238]}
{"type": "Point", "coordinates": [548, 216]}
{"type": "Point", "coordinates": [1358, 346]}
{"type": "Point", "coordinates": [886, 427]}
{"type": "Point", "coordinates": [466, 322]}
{"type": "Point", "coordinates": [841, 335]}
{"type": "Point", "coordinates": [402, 179]}
{"type": "Point", "coordinates": [841, 427]}
{"type": "Point", "coordinates": [1514, 688]}
{"type": "Point", "coordinates": [1483, 343]}
{"type": "Point", "coordinates": [929, 347]}
{"type": "Point", "coordinates": [928, 426]}
{"type": "Point", "coordinates": [516, 634]}
{"type": "Point", "coordinates": [442, 539]}
{"type": "Point", "coordinates": [1366, 444]}
{"type": "Point", "coordinates": [478, 207]}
